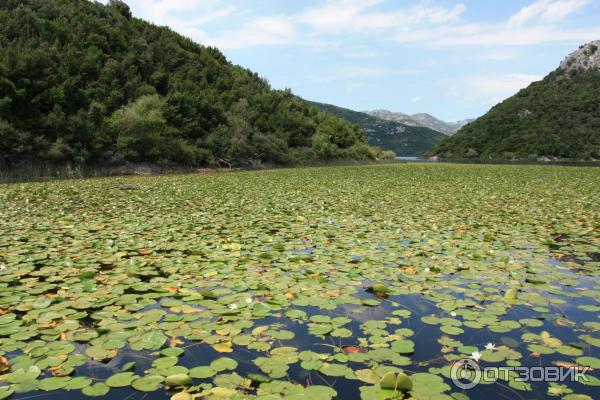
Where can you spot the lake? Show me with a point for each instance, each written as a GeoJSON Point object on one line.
{"type": "Point", "coordinates": [359, 282]}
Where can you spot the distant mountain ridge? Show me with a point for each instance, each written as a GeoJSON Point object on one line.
{"type": "Point", "coordinates": [421, 119]}
{"type": "Point", "coordinates": [557, 117]}
{"type": "Point", "coordinates": [404, 139]}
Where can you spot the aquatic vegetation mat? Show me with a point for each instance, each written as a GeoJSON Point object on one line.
{"type": "Point", "coordinates": [318, 283]}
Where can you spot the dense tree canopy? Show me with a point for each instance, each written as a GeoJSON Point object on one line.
{"type": "Point", "coordinates": [87, 83]}
{"type": "Point", "coordinates": [558, 116]}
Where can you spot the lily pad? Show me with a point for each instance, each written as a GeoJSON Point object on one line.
{"type": "Point", "coordinates": [121, 379]}
{"type": "Point", "coordinates": [148, 383]}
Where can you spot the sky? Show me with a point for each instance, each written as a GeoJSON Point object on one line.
{"type": "Point", "coordinates": [452, 59]}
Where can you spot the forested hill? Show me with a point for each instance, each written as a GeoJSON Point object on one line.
{"type": "Point", "coordinates": [403, 139]}
{"type": "Point", "coordinates": [86, 83]}
{"type": "Point", "coordinates": [558, 117]}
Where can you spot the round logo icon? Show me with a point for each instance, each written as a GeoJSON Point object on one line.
{"type": "Point", "coordinates": [465, 374]}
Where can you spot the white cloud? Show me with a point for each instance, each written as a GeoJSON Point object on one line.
{"type": "Point", "coordinates": [334, 15]}
{"type": "Point", "coordinates": [495, 35]}
{"type": "Point", "coordinates": [184, 16]}
{"type": "Point", "coordinates": [416, 99]}
{"type": "Point", "coordinates": [339, 16]}
{"type": "Point", "coordinates": [547, 11]}
{"type": "Point", "coordinates": [424, 23]}
{"type": "Point", "coordinates": [260, 31]}
{"type": "Point", "coordinates": [559, 10]}
{"type": "Point", "coordinates": [529, 12]}
{"type": "Point", "coordinates": [537, 23]}
{"type": "Point", "coordinates": [176, 13]}
{"type": "Point", "coordinates": [495, 87]}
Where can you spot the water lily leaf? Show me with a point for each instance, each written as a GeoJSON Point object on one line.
{"type": "Point", "coordinates": [182, 396]}
{"type": "Point", "coordinates": [370, 302]}
{"type": "Point", "coordinates": [426, 385]}
{"type": "Point", "coordinates": [5, 392]}
{"type": "Point", "coordinates": [223, 363]}
{"type": "Point", "coordinates": [178, 380]}
{"type": "Point", "coordinates": [319, 392]}
{"type": "Point", "coordinates": [403, 346]}
{"type": "Point", "coordinates": [533, 323]}
{"type": "Point", "coordinates": [334, 369]}
{"type": "Point", "coordinates": [511, 294]}
{"type": "Point", "coordinates": [451, 330]}
{"type": "Point", "coordinates": [281, 335]}
{"type": "Point", "coordinates": [78, 383]}
{"type": "Point", "coordinates": [121, 379]}
{"type": "Point", "coordinates": [99, 353]}
{"type": "Point", "coordinates": [165, 362]}
{"type": "Point", "coordinates": [589, 380]}
{"type": "Point", "coordinates": [380, 288]}
{"type": "Point", "coordinates": [130, 366]}
{"type": "Point", "coordinates": [148, 383]}
{"type": "Point", "coordinates": [96, 390]}
{"type": "Point", "coordinates": [274, 367]}
{"type": "Point", "coordinates": [172, 351]}
{"type": "Point", "coordinates": [202, 372]}
{"type": "Point", "coordinates": [22, 375]}
{"type": "Point", "coordinates": [53, 383]}
{"type": "Point", "coordinates": [396, 381]}
{"type": "Point", "coordinates": [367, 375]}
{"type": "Point", "coordinates": [320, 329]}
{"type": "Point", "coordinates": [592, 362]}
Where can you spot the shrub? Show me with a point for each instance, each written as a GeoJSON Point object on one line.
{"type": "Point", "coordinates": [141, 130]}
{"type": "Point", "coordinates": [13, 143]}
{"type": "Point", "coordinates": [360, 151]}
{"type": "Point", "coordinates": [121, 7]}
{"type": "Point", "coordinates": [60, 151]}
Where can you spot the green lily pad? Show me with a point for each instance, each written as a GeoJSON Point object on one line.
{"type": "Point", "coordinates": [121, 379]}
{"type": "Point", "coordinates": [178, 380]}
{"type": "Point", "coordinates": [202, 372]}
{"type": "Point", "coordinates": [592, 362]}
{"type": "Point", "coordinates": [5, 392]}
{"type": "Point", "coordinates": [53, 383]}
{"type": "Point", "coordinates": [96, 390]}
{"type": "Point", "coordinates": [148, 383]}
{"type": "Point", "coordinates": [223, 363]}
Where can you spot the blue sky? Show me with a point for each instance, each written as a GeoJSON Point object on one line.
{"type": "Point", "coordinates": [452, 59]}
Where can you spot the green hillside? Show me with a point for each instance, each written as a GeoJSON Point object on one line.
{"type": "Point", "coordinates": [403, 139]}
{"type": "Point", "coordinates": [557, 117]}
{"type": "Point", "coordinates": [85, 83]}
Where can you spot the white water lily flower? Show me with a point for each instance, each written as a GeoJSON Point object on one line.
{"type": "Point", "coordinates": [233, 306]}
{"type": "Point", "coordinates": [249, 300]}
{"type": "Point", "coordinates": [453, 314]}
{"type": "Point", "coordinates": [426, 270]}
{"type": "Point", "coordinates": [2, 267]}
{"type": "Point", "coordinates": [490, 346]}
{"type": "Point", "coordinates": [476, 356]}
